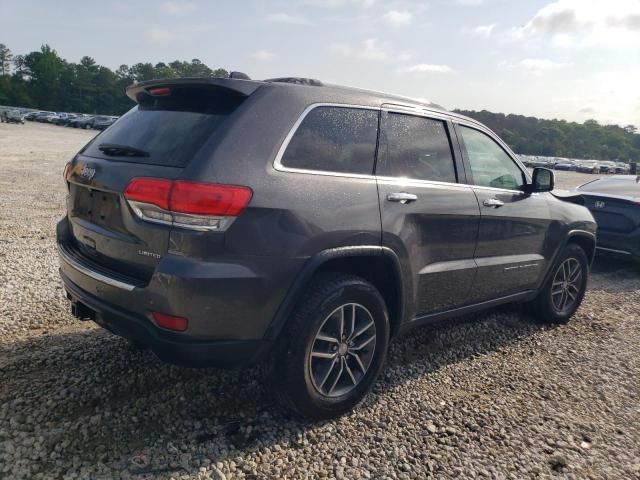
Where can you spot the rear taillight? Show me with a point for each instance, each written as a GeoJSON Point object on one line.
{"type": "Point", "coordinates": [191, 205]}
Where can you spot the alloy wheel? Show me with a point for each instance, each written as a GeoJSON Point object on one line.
{"type": "Point", "coordinates": [567, 282]}
{"type": "Point", "coordinates": [342, 350]}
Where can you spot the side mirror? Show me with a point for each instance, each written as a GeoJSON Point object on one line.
{"type": "Point", "coordinates": [543, 180]}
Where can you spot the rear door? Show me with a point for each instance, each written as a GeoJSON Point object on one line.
{"type": "Point", "coordinates": [428, 218]}
{"type": "Point", "coordinates": [158, 138]}
{"type": "Point", "coordinates": [514, 224]}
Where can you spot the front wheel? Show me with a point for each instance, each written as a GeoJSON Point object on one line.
{"type": "Point", "coordinates": [562, 293]}
{"type": "Point", "coordinates": [333, 349]}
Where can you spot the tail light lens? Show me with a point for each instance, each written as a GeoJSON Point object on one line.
{"type": "Point", "coordinates": [191, 205]}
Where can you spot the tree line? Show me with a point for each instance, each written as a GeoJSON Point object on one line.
{"type": "Point", "coordinates": [559, 138]}
{"type": "Point", "coordinates": [43, 80]}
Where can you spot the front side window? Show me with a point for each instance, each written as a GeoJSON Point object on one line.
{"type": "Point", "coordinates": [415, 147]}
{"type": "Point", "coordinates": [334, 139]}
{"type": "Point", "coordinates": [490, 164]}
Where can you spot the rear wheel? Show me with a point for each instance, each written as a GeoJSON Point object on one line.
{"type": "Point", "coordinates": [563, 292]}
{"type": "Point", "coordinates": [333, 349]}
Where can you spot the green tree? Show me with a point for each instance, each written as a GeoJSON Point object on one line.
{"type": "Point", "coordinates": [5, 60]}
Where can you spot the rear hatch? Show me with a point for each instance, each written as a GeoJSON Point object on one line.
{"type": "Point", "coordinates": [158, 138]}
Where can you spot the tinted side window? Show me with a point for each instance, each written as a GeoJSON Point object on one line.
{"type": "Point", "coordinates": [334, 139]}
{"type": "Point", "coordinates": [490, 164]}
{"type": "Point", "coordinates": [415, 147]}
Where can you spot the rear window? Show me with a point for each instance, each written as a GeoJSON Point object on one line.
{"type": "Point", "coordinates": [334, 139]}
{"type": "Point", "coordinates": [169, 129]}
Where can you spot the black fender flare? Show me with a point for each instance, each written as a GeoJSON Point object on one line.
{"type": "Point", "coordinates": [570, 235]}
{"type": "Point", "coordinates": [316, 261]}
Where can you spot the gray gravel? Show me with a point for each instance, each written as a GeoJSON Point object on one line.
{"type": "Point", "coordinates": [492, 395]}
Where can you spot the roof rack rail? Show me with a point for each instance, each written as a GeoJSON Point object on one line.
{"type": "Point", "coordinates": [239, 75]}
{"type": "Point", "coordinates": [297, 80]}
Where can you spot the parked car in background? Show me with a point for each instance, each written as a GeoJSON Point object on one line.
{"type": "Point", "coordinates": [85, 121]}
{"type": "Point", "coordinates": [42, 116]}
{"type": "Point", "coordinates": [98, 119]}
{"type": "Point", "coordinates": [588, 166]}
{"type": "Point", "coordinates": [61, 118]}
{"type": "Point", "coordinates": [565, 165]}
{"type": "Point", "coordinates": [14, 116]}
{"type": "Point", "coordinates": [204, 224]}
{"type": "Point", "coordinates": [607, 167]}
{"type": "Point", "coordinates": [622, 168]}
{"type": "Point", "coordinates": [31, 115]}
{"type": "Point", "coordinates": [613, 201]}
{"type": "Point", "coordinates": [74, 122]}
{"type": "Point", "coordinates": [104, 124]}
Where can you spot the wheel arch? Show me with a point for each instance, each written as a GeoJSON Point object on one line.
{"type": "Point", "coordinates": [585, 240]}
{"type": "Point", "coordinates": [378, 265]}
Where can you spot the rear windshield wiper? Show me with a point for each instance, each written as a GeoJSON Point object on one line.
{"type": "Point", "coordinates": [121, 150]}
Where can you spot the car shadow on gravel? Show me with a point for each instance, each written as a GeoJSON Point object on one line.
{"type": "Point", "coordinates": [614, 273]}
{"type": "Point", "coordinates": [120, 404]}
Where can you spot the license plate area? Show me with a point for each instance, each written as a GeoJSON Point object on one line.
{"type": "Point", "coordinates": [98, 207]}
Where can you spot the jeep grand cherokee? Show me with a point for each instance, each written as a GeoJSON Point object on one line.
{"type": "Point", "coordinates": [304, 225]}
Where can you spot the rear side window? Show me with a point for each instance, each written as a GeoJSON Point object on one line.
{"type": "Point", "coordinates": [334, 139]}
{"type": "Point", "coordinates": [415, 147]}
{"type": "Point", "coordinates": [168, 130]}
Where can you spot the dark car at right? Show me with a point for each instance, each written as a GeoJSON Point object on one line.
{"type": "Point", "coordinates": [615, 204]}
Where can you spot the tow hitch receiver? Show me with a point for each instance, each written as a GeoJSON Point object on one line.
{"type": "Point", "coordinates": [81, 311]}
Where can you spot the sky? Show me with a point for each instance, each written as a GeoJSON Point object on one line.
{"type": "Point", "coordinates": [567, 59]}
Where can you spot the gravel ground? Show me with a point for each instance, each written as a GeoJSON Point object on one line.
{"type": "Point", "coordinates": [492, 395]}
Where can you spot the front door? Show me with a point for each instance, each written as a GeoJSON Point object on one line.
{"type": "Point", "coordinates": [513, 225]}
{"type": "Point", "coordinates": [428, 218]}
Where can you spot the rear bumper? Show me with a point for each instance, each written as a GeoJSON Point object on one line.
{"type": "Point", "coordinates": [172, 348]}
{"type": "Point", "coordinates": [230, 303]}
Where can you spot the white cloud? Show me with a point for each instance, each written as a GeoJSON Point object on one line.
{"type": "Point", "coordinates": [341, 3]}
{"type": "Point", "coordinates": [158, 36]}
{"type": "Point", "coordinates": [398, 18]}
{"type": "Point", "coordinates": [178, 8]}
{"type": "Point", "coordinates": [426, 68]}
{"type": "Point", "coordinates": [535, 66]}
{"type": "Point", "coordinates": [263, 55]}
{"type": "Point", "coordinates": [585, 23]}
{"type": "Point", "coordinates": [470, 3]}
{"type": "Point", "coordinates": [370, 50]}
{"type": "Point", "coordinates": [541, 64]}
{"type": "Point", "coordinates": [484, 30]}
{"type": "Point", "coordinates": [406, 56]}
{"type": "Point", "coordinates": [286, 18]}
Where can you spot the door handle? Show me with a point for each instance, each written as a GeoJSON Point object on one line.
{"type": "Point", "coordinates": [402, 197]}
{"type": "Point", "coordinates": [493, 202]}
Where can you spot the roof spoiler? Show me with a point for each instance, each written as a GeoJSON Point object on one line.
{"type": "Point", "coordinates": [233, 85]}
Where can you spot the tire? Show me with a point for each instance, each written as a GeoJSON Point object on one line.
{"type": "Point", "coordinates": [548, 307]}
{"type": "Point", "coordinates": [332, 381]}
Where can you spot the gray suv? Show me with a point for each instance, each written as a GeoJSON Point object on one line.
{"type": "Point", "coordinates": [303, 225]}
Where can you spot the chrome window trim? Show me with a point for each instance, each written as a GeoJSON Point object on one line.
{"type": "Point", "coordinates": [277, 163]}
{"type": "Point", "coordinates": [278, 166]}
